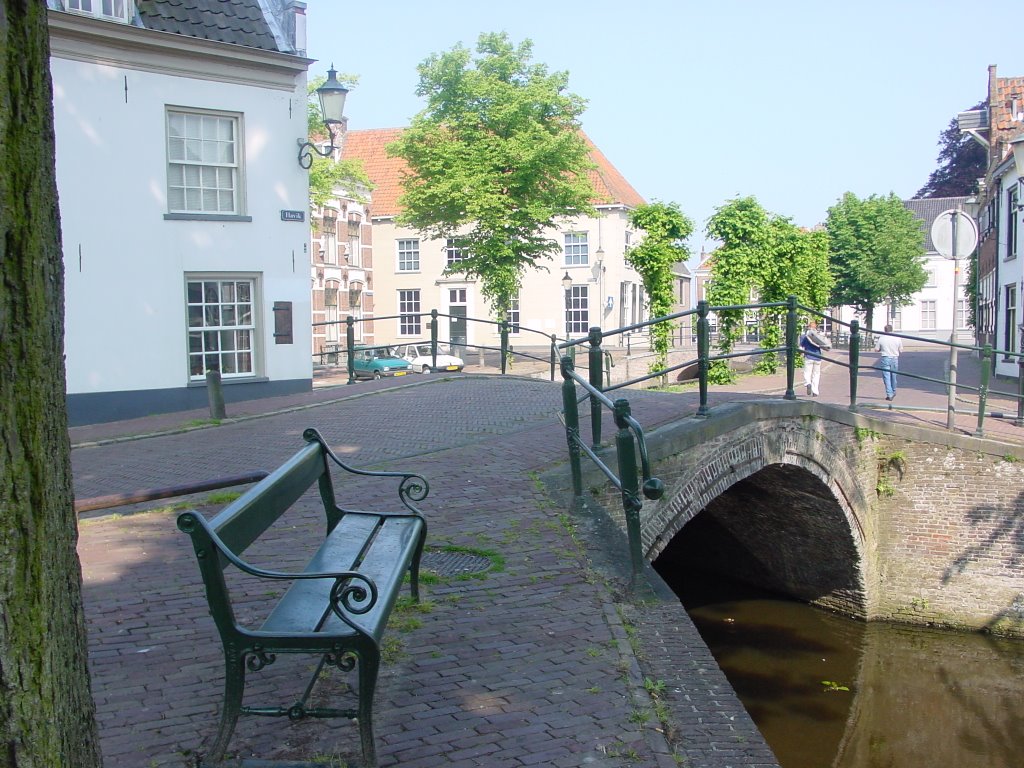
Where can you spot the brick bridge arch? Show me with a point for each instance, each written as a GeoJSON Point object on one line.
{"type": "Point", "coordinates": [876, 519]}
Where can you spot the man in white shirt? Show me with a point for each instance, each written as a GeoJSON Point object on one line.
{"type": "Point", "coordinates": [890, 347]}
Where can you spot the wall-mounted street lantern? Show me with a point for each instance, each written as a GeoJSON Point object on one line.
{"type": "Point", "coordinates": [332, 109]}
{"type": "Point", "coordinates": [972, 207]}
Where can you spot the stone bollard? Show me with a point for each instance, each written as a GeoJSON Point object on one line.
{"type": "Point", "coordinates": [216, 395]}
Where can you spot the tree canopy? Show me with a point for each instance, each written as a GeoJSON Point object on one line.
{"type": "Point", "coordinates": [665, 229]}
{"type": "Point", "coordinates": [494, 158]}
{"type": "Point", "coordinates": [765, 257]}
{"type": "Point", "coordinates": [876, 247]}
{"type": "Point", "coordinates": [962, 161]}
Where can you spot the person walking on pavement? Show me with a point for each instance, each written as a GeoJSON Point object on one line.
{"type": "Point", "coordinates": [811, 344]}
{"type": "Point", "coordinates": [890, 347]}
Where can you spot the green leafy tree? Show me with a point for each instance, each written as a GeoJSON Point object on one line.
{"type": "Point", "coordinates": [46, 709]}
{"type": "Point", "coordinates": [665, 229]}
{"type": "Point", "coordinates": [962, 161]}
{"type": "Point", "coordinates": [493, 160]}
{"type": "Point", "coordinates": [876, 246]}
{"type": "Point", "coordinates": [328, 175]}
{"type": "Point", "coordinates": [763, 257]}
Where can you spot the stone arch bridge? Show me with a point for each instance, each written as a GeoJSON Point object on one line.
{"type": "Point", "coordinates": [878, 520]}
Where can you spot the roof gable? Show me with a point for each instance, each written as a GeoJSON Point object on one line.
{"type": "Point", "coordinates": [369, 146]}
{"type": "Point", "coordinates": [927, 209]}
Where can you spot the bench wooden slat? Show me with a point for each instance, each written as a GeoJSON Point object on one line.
{"type": "Point", "coordinates": [395, 542]}
{"type": "Point", "coordinates": [305, 607]}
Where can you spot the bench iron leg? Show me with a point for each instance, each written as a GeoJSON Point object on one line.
{"type": "Point", "coordinates": [414, 567]}
{"type": "Point", "coordinates": [234, 685]}
{"type": "Point", "coordinates": [369, 663]}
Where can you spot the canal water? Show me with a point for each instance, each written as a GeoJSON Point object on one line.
{"type": "Point", "coordinates": [826, 690]}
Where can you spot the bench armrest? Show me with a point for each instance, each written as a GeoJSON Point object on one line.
{"type": "Point", "coordinates": [412, 488]}
{"type": "Point", "coordinates": [352, 590]}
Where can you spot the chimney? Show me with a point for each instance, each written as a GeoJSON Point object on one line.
{"type": "Point", "coordinates": [297, 13]}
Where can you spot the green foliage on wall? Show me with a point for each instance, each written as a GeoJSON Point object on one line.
{"type": "Point", "coordinates": [665, 229]}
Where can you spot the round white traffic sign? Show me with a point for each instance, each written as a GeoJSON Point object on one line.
{"type": "Point", "coordinates": [966, 234]}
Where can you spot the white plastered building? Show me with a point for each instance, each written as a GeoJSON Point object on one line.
{"type": "Point", "coordinates": [184, 211]}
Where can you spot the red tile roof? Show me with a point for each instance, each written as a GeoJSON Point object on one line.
{"type": "Point", "coordinates": [1007, 93]}
{"type": "Point", "coordinates": [610, 186]}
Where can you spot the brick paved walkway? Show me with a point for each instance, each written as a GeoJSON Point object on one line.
{"type": "Point", "coordinates": [533, 664]}
{"type": "Point", "coordinates": [539, 662]}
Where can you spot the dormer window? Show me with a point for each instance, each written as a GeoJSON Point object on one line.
{"type": "Point", "coordinates": [111, 10]}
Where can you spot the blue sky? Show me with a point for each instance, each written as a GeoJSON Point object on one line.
{"type": "Point", "coordinates": [697, 103]}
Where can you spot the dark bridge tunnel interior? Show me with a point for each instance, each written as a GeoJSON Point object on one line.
{"type": "Point", "coordinates": [780, 530]}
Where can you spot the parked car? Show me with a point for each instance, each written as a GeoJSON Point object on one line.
{"type": "Point", "coordinates": [378, 362]}
{"type": "Point", "coordinates": [418, 356]}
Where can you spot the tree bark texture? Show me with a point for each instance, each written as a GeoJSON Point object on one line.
{"type": "Point", "coordinates": [47, 717]}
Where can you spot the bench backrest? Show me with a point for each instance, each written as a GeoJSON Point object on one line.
{"type": "Point", "coordinates": [245, 519]}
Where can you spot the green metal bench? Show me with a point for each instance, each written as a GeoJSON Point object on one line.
{"type": "Point", "coordinates": [337, 607]}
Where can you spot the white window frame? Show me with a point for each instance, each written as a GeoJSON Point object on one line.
{"type": "Point", "coordinates": [227, 332]}
{"type": "Point", "coordinates": [1012, 214]}
{"type": "Point", "coordinates": [218, 178]}
{"type": "Point", "coordinates": [1010, 319]}
{"type": "Point", "coordinates": [409, 320]}
{"type": "Point", "coordinates": [577, 313]}
{"type": "Point", "coordinates": [111, 10]}
{"type": "Point", "coordinates": [512, 316]}
{"type": "Point", "coordinates": [929, 315]}
{"type": "Point", "coordinates": [963, 311]}
{"type": "Point", "coordinates": [407, 254]}
{"type": "Point", "coordinates": [576, 249]}
{"type": "Point", "coordinates": [332, 311]}
{"type": "Point", "coordinates": [453, 253]}
{"type": "Point", "coordinates": [930, 279]}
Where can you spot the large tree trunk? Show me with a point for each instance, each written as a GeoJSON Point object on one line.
{"type": "Point", "coordinates": [46, 710]}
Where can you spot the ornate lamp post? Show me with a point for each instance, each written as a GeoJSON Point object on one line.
{"type": "Point", "coordinates": [567, 287]}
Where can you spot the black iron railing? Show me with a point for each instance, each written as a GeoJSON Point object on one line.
{"type": "Point", "coordinates": [333, 352]}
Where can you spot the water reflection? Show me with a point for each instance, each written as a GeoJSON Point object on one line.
{"type": "Point", "coordinates": [916, 698]}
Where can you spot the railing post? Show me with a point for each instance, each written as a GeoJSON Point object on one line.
{"type": "Point", "coordinates": [951, 388]}
{"type": "Point", "coordinates": [350, 343]}
{"type": "Point", "coordinates": [703, 351]}
{"type": "Point", "coordinates": [572, 426]}
{"type": "Point", "coordinates": [983, 392]}
{"type": "Point", "coordinates": [791, 336]}
{"type": "Point", "coordinates": [1019, 421]}
{"type": "Point", "coordinates": [595, 375]}
{"type": "Point", "coordinates": [625, 449]}
{"type": "Point", "coordinates": [503, 329]}
{"type": "Point", "coordinates": [554, 355]}
{"type": "Point", "coordinates": [854, 362]}
{"type": "Point", "coordinates": [433, 340]}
